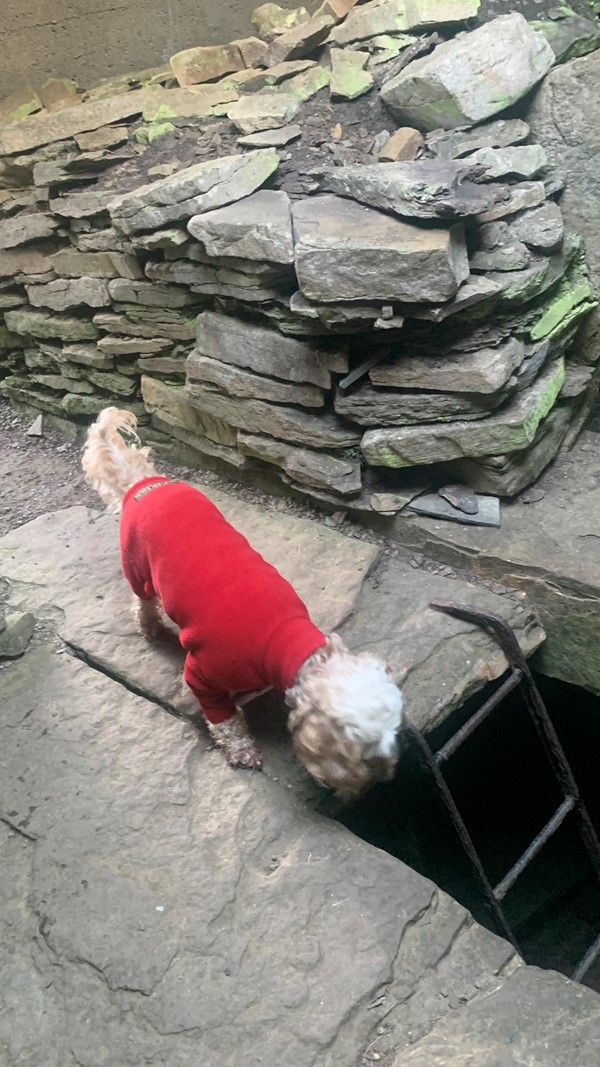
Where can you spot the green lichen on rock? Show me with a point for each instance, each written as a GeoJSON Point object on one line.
{"type": "Point", "coordinates": [572, 298]}
{"type": "Point", "coordinates": [304, 86]}
{"type": "Point", "coordinates": [146, 135]}
{"type": "Point", "coordinates": [159, 113]}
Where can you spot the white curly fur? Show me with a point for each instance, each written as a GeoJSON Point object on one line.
{"type": "Point", "coordinates": [345, 709]}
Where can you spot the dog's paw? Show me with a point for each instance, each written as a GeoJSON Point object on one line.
{"type": "Point", "coordinates": [151, 631]}
{"type": "Point", "coordinates": [244, 753]}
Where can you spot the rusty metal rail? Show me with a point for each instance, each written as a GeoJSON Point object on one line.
{"type": "Point", "coordinates": [519, 677]}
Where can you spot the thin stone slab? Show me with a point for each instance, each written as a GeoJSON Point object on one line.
{"type": "Point", "coordinates": [259, 227]}
{"type": "Point", "coordinates": [303, 465]}
{"type": "Point", "coordinates": [260, 349]}
{"type": "Point", "coordinates": [148, 294]}
{"type": "Point", "coordinates": [40, 324]}
{"type": "Point", "coordinates": [16, 262]}
{"type": "Point", "coordinates": [25, 228]}
{"type": "Point", "coordinates": [524, 195]}
{"type": "Point", "coordinates": [263, 111]}
{"type": "Point", "coordinates": [541, 228]}
{"type": "Point", "coordinates": [484, 370]}
{"type": "Point", "coordinates": [472, 77]}
{"type": "Point", "coordinates": [66, 293]}
{"type": "Point", "coordinates": [272, 76]}
{"type": "Point", "coordinates": [204, 186]}
{"type": "Point", "coordinates": [170, 402]}
{"type": "Point", "coordinates": [149, 322]}
{"type": "Point", "coordinates": [345, 251]}
{"type": "Point", "coordinates": [521, 161]}
{"type": "Point", "coordinates": [284, 423]}
{"type": "Point", "coordinates": [369, 406]}
{"type": "Point", "coordinates": [301, 41]}
{"type": "Point", "coordinates": [272, 138]}
{"type": "Point", "coordinates": [349, 79]}
{"type": "Point", "coordinates": [48, 127]}
{"type": "Point", "coordinates": [263, 282]}
{"type": "Point", "coordinates": [234, 381]}
{"type": "Point", "coordinates": [509, 431]}
{"type": "Point", "coordinates": [423, 189]}
{"type": "Point", "coordinates": [486, 513]}
{"type": "Point", "coordinates": [500, 133]}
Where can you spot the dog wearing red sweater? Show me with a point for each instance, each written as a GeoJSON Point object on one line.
{"type": "Point", "coordinates": [243, 627]}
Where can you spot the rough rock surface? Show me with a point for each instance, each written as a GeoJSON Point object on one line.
{"type": "Point", "coordinates": [510, 430]}
{"type": "Point", "coordinates": [471, 78]}
{"type": "Point", "coordinates": [565, 117]}
{"type": "Point", "coordinates": [348, 252]}
{"type": "Point", "coordinates": [483, 371]}
{"type": "Point", "coordinates": [196, 189]}
{"type": "Point", "coordinates": [259, 227]}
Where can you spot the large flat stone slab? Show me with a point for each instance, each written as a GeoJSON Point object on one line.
{"type": "Point", "coordinates": [484, 371]}
{"type": "Point", "coordinates": [472, 77]}
{"type": "Point", "coordinates": [152, 898]}
{"type": "Point", "coordinates": [56, 126]}
{"type": "Point", "coordinates": [204, 186]}
{"type": "Point", "coordinates": [345, 251]}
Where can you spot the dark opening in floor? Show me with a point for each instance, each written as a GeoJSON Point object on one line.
{"type": "Point", "coordinates": [506, 792]}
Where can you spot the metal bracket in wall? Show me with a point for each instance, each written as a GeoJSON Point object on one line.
{"type": "Point", "coordinates": [518, 677]}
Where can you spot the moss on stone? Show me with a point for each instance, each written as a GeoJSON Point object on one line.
{"type": "Point", "coordinates": [153, 132]}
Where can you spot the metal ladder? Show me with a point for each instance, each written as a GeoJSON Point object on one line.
{"type": "Point", "coordinates": [519, 677]}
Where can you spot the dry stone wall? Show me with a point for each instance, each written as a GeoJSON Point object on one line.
{"type": "Point", "coordinates": [333, 252]}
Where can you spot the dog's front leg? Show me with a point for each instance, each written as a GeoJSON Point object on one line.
{"type": "Point", "coordinates": [148, 618]}
{"type": "Point", "coordinates": [235, 739]}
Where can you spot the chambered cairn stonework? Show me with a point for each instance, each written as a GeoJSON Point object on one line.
{"type": "Point", "coordinates": [331, 256]}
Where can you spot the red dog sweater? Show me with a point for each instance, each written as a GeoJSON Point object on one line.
{"type": "Point", "coordinates": [242, 625]}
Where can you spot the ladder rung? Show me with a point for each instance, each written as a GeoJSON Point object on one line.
{"type": "Point", "coordinates": [514, 679]}
{"type": "Point", "coordinates": [536, 846]}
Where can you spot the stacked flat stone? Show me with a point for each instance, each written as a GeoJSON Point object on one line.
{"type": "Point", "coordinates": [415, 316]}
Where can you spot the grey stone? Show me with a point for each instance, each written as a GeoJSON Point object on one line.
{"type": "Point", "coordinates": [112, 382]}
{"type": "Point", "coordinates": [65, 293]}
{"type": "Point", "coordinates": [371, 406]}
{"type": "Point", "coordinates": [525, 195]}
{"type": "Point", "coordinates": [102, 241]}
{"type": "Point", "coordinates": [485, 370]}
{"type": "Point", "coordinates": [472, 77]}
{"type": "Point", "coordinates": [15, 635]}
{"type": "Point", "coordinates": [264, 282]}
{"type": "Point", "coordinates": [81, 205]}
{"type": "Point", "coordinates": [423, 189]}
{"type": "Point", "coordinates": [274, 76]}
{"type": "Point", "coordinates": [541, 228]}
{"type": "Point", "coordinates": [263, 111]}
{"type": "Point", "coordinates": [509, 474]}
{"type": "Point", "coordinates": [510, 430]}
{"type": "Point", "coordinates": [272, 138]}
{"type": "Point", "coordinates": [270, 20]}
{"type": "Point", "coordinates": [86, 355]}
{"type": "Point", "coordinates": [257, 228]}
{"type": "Point", "coordinates": [25, 228]}
{"type": "Point", "coordinates": [284, 423]}
{"type": "Point", "coordinates": [474, 292]}
{"type": "Point", "coordinates": [259, 349]}
{"type": "Point", "coordinates": [70, 263]}
{"type": "Point", "coordinates": [170, 403]}
{"type": "Point", "coordinates": [187, 448]}
{"type": "Point", "coordinates": [148, 294]}
{"type": "Point", "coordinates": [500, 133]}
{"type": "Point", "coordinates": [397, 16]}
{"type": "Point", "coordinates": [43, 325]}
{"type": "Point", "coordinates": [245, 384]}
{"type": "Point", "coordinates": [521, 161]}
{"type": "Point", "coordinates": [570, 37]}
{"type": "Point", "coordinates": [349, 79]}
{"type": "Point", "coordinates": [345, 251]}
{"type": "Point", "coordinates": [510, 256]}
{"type": "Point", "coordinates": [56, 126]}
{"type": "Point", "coordinates": [162, 323]}
{"type": "Point", "coordinates": [202, 187]}
{"type": "Point", "coordinates": [461, 497]}
{"type": "Point", "coordinates": [303, 465]}
{"type": "Point", "coordinates": [487, 510]}
{"type": "Point", "coordinates": [14, 263]}
{"type": "Point", "coordinates": [127, 346]}
{"type": "Point", "coordinates": [171, 366]}
{"type": "Point", "coordinates": [565, 118]}
{"type": "Point", "coordinates": [301, 41]}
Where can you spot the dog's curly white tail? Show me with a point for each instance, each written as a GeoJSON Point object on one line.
{"type": "Point", "coordinates": [252, 633]}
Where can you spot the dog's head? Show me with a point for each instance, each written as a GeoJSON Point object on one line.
{"type": "Point", "coordinates": [345, 716]}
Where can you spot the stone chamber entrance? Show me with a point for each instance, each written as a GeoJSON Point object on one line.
{"type": "Point", "coordinates": [506, 791]}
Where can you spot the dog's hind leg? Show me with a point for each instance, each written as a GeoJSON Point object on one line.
{"type": "Point", "coordinates": [148, 617]}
